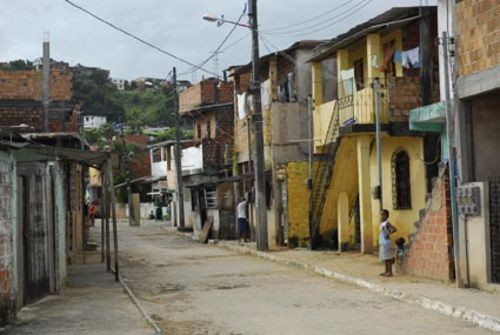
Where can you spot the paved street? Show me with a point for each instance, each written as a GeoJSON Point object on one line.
{"type": "Point", "coordinates": [92, 304]}
{"type": "Point", "coordinates": [190, 288]}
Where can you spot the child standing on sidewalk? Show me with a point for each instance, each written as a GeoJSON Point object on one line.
{"type": "Point", "coordinates": [384, 240]}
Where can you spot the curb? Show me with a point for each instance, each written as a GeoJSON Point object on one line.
{"type": "Point", "coordinates": [141, 309]}
{"type": "Point", "coordinates": [479, 319]}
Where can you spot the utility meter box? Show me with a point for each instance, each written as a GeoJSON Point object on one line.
{"type": "Point", "coordinates": [469, 200]}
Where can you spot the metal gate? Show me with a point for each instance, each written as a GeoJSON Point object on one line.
{"type": "Point", "coordinates": [35, 261]}
{"type": "Point", "coordinates": [495, 229]}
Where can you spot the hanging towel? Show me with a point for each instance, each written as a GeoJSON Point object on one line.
{"type": "Point", "coordinates": [348, 81]}
{"type": "Point", "coordinates": [414, 57]}
{"type": "Point", "coordinates": [411, 58]}
{"type": "Point", "coordinates": [242, 106]}
{"type": "Point", "coordinates": [397, 57]}
{"type": "Point", "coordinates": [265, 90]}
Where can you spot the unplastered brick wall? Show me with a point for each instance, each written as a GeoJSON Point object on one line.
{"type": "Point", "coordinates": [7, 308]}
{"type": "Point", "coordinates": [21, 100]}
{"type": "Point", "coordinates": [430, 247]}
{"type": "Point", "coordinates": [27, 85]}
{"type": "Point", "coordinates": [206, 92]}
{"type": "Point", "coordinates": [478, 28]}
{"type": "Point", "coordinates": [404, 94]}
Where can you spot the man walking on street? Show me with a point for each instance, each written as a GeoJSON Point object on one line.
{"type": "Point", "coordinates": [242, 220]}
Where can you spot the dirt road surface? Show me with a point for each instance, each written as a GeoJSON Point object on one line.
{"type": "Point", "coordinates": [195, 289]}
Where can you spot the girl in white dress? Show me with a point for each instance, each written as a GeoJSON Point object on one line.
{"type": "Point", "coordinates": [384, 240]}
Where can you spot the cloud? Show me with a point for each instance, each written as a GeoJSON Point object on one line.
{"type": "Point", "coordinates": [174, 25]}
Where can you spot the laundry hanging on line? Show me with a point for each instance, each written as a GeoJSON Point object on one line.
{"type": "Point", "coordinates": [348, 81]}
{"type": "Point", "coordinates": [411, 58]}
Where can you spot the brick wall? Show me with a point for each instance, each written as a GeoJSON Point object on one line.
{"type": "Point", "coordinates": [404, 95]}
{"type": "Point", "coordinates": [21, 100]}
{"type": "Point", "coordinates": [430, 247]}
{"type": "Point", "coordinates": [27, 85]}
{"type": "Point", "coordinates": [478, 29]}
{"type": "Point", "coordinates": [242, 82]}
{"type": "Point", "coordinates": [6, 246]}
{"type": "Point", "coordinates": [206, 92]}
{"type": "Point", "coordinates": [221, 121]}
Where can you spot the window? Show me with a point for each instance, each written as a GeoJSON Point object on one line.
{"type": "Point", "coordinates": [169, 158]}
{"type": "Point", "coordinates": [401, 186]}
{"type": "Point", "coordinates": [359, 74]}
{"type": "Point", "coordinates": [198, 131]}
{"type": "Point", "coordinates": [211, 197]}
{"type": "Point", "coordinates": [209, 126]}
{"type": "Point", "coordinates": [388, 66]}
{"type": "Point", "coordinates": [156, 155]}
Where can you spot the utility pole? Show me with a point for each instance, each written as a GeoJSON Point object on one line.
{"type": "Point", "coordinates": [452, 165]}
{"type": "Point", "coordinates": [178, 153]}
{"type": "Point", "coordinates": [378, 99]}
{"type": "Point", "coordinates": [125, 167]}
{"type": "Point", "coordinates": [310, 137]}
{"type": "Point", "coordinates": [257, 120]}
{"type": "Point", "coordinates": [46, 82]}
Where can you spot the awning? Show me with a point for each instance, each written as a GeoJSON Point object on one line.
{"type": "Point", "coordinates": [429, 118]}
{"type": "Point", "coordinates": [143, 180]}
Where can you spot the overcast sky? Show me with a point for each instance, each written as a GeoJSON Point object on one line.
{"type": "Point", "coordinates": [173, 25]}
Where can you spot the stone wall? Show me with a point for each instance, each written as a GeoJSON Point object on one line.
{"type": "Point", "coordinates": [478, 29]}
{"type": "Point", "coordinates": [430, 248]}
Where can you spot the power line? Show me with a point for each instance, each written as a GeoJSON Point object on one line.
{"type": "Point", "coordinates": [340, 17]}
{"type": "Point", "coordinates": [218, 49]}
{"type": "Point", "coordinates": [151, 45]}
{"type": "Point", "coordinates": [236, 42]}
{"type": "Point", "coordinates": [310, 19]}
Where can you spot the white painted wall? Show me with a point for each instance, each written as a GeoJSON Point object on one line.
{"type": "Point", "coordinates": [478, 242]}
{"type": "Point", "coordinates": [93, 121]}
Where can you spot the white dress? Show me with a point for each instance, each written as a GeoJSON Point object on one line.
{"type": "Point", "coordinates": [385, 249]}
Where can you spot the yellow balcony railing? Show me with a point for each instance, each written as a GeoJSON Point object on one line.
{"type": "Point", "coordinates": [359, 107]}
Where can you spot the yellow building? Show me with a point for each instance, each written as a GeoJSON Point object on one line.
{"type": "Point", "coordinates": [387, 50]}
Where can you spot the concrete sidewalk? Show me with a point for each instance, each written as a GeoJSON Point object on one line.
{"type": "Point", "coordinates": [479, 307]}
{"type": "Point", "coordinates": [92, 303]}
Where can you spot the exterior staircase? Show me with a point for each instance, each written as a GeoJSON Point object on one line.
{"type": "Point", "coordinates": [323, 174]}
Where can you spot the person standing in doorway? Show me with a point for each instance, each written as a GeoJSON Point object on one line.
{"type": "Point", "coordinates": [384, 240]}
{"type": "Point", "coordinates": [92, 213]}
{"type": "Point", "coordinates": [241, 211]}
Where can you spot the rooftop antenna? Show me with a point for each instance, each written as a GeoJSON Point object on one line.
{"type": "Point", "coordinates": [216, 61]}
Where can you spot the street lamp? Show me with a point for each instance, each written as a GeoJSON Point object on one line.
{"type": "Point", "coordinates": [220, 21]}
{"type": "Point", "coordinates": [257, 121]}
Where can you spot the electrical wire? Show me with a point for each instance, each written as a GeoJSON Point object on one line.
{"type": "Point", "coordinates": [218, 49]}
{"type": "Point", "coordinates": [236, 42]}
{"type": "Point", "coordinates": [299, 23]}
{"type": "Point", "coordinates": [339, 18]}
{"type": "Point", "coordinates": [149, 44]}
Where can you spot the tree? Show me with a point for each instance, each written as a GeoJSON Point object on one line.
{"type": "Point", "coordinates": [97, 94]}
{"type": "Point", "coordinates": [17, 65]}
